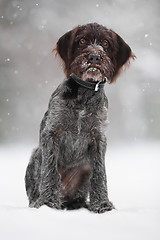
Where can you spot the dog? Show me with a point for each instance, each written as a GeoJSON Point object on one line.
{"type": "Point", "coordinates": [67, 169]}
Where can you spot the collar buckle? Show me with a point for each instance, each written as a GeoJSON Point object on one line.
{"type": "Point", "coordinates": [97, 86]}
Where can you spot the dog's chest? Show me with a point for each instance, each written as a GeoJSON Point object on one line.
{"type": "Point", "coordinates": [81, 125]}
{"type": "Point", "coordinates": [81, 135]}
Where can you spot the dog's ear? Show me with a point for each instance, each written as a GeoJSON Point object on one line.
{"type": "Point", "coordinates": [124, 52]}
{"type": "Point", "coordinates": [63, 46]}
{"type": "Point", "coordinates": [123, 56]}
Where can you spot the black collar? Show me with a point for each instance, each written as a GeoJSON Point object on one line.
{"type": "Point", "coordinates": [94, 86]}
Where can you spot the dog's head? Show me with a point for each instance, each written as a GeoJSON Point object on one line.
{"type": "Point", "coordinates": [93, 52]}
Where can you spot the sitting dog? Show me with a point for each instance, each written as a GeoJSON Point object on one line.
{"type": "Point", "coordinates": [67, 170]}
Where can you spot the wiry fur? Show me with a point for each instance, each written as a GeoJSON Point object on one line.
{"type": "Point", "coordinates": [67, 170]}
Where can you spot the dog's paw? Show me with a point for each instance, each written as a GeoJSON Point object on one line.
{"type": "Point", "coordinates": [76, 205]}
{"type": "Point", "coordinates": [50, 203]}
{"type": "Point", "coordinates": [36, 204]}
{"type": "Point", "coordinates": [53, 204]}
{"type": "Point", "coordinates": [102, 207]}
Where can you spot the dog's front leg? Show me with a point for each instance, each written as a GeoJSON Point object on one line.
{"type": "Point", "coordinates": [99, 202]}
{"type": "Point", "coordinates": [49, 186]}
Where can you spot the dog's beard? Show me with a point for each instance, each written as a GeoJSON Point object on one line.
{"type": "Point", "coordinates": [92, 72]}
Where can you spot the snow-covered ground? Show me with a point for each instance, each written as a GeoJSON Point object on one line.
{"type": "Point", "coordinates": [134, 187]}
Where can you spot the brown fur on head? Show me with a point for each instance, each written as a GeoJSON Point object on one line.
{"type": "Point", "coordinates": [93, 52]}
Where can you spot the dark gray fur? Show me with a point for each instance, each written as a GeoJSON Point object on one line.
{"type": "Point", "coordinates": [72, 135]}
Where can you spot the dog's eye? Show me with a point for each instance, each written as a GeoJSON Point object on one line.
{"type": "Point", "coordinates": [105, 43]}
{"type": "Point", "coordinates": [82, 41]}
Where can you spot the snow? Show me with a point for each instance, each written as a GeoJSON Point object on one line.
{"type": "Point", "coordinates": [7, 60]}
{"type": "Point", "coordinates": [134, 184]}
{"type": "Point", "coordinates": [146, 35]}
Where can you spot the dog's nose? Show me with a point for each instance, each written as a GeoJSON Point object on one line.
{"type": "Point", "coordinates": [94, 58]}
